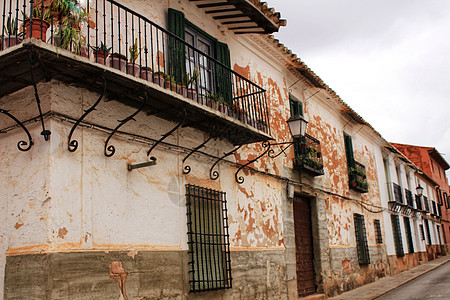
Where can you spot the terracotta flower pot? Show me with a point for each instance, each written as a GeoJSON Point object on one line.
{"type": "Point", "coordinates": [38, 28]}
{"type": "Point", "coordinates": [10, 41]}
{"type": "Point", "coordinates": [182, 90]}
{"type": "Point", "coordinates": [192, 94]}
{"type": "Point", "coordinates": [100, 56]}
{"type": "Point", "coordinates": [133, 69]}
{"type": "Point", "coordinates": [159, 79]}
{"type": "Point", "coordinates": [118, 62]}
{"type": "Point", "coordinates": [146, 74]}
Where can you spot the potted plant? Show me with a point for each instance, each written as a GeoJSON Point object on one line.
{"type": "Point", "coordinates": [100, 53]}
{"type": "Point", "coordinates": [118, 61]}
{"type": "Point", "coordinates": [171, 83]}
{"type": "Point", "coordinates": [190, 80]}
{"type": "Point", "coordinates": [132, 67]}
{"type": "Point", "coordinates": [159, 78]}
{"type": "Point", "coordinates": [146, 73]}
{"type": "Point", "coordinates": [70, 38]}
{"type": "Point", "coordinates": [12, 37]}
{"type": "Point", "coordinates": [39, 23]}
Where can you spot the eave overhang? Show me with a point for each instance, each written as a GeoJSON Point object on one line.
{"type": "Point", "coordinates": [72, 69]}
{"type": "Point", "coordinates": [243, 16]}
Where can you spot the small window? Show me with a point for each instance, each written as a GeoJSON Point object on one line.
{"type": "Point", "coordinates": [409, 239]}
{"type": "Point", "coordinates": [422, 234]}
{"type": "Point", "coordinates": [296, 106]}
{"type": "Point", "coordinates": [397, 236]}
{"type": "Point", "coordinates": [208, 239]}
{"type": "Point", "coordinates": [427, 232]}
{"type": "Point", "coordinates": [378, 236]}
{"type": "Point", "coordinates": [361, 240]}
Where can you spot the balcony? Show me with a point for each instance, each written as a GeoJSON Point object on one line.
{"type": "Point", "coordinates": [358, 178]}
{"type": "Point", "coordinates": [309, 156]}
{"type": "Point", "coordinates": [135, 56]}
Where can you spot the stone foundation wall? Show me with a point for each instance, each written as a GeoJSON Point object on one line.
{"type": "Point", "coordinates": [400, 264]}
{"type": "Point", "coordinates": [346, 273]}
{"type": "Point", "coordinates": [143, 275]}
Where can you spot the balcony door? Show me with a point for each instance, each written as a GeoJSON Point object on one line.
{"type": "Point", "coordinates": [196, 62]}
{"type": "Point", "coordinates": [304, 247]}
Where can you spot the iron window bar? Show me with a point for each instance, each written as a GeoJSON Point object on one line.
{"type": "Point", "coordinates": [378, 234]}
{"type": "Point", "coordinates": [361, 240]}
{"type": "Point", "coordinates": [397, 236]}
{"type": "Point", "coordinates": [208, 239]}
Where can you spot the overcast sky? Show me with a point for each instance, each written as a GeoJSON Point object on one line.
{"type": "Point", "coordinates": [388, 59]}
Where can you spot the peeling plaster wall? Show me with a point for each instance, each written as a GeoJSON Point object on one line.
{"type": "Point", "coordinates": [94, 206]}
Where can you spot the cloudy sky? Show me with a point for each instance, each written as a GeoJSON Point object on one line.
{"type": "Point", "coordinates": [388, 59]}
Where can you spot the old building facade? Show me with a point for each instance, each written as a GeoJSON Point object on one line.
{"type": "Point", "coordinates": [434, 165]}
{"type": "Point", "coordinates": [148, 156]}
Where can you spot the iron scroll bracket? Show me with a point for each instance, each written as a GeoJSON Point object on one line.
{"type": "Point", "coordinates": [73, 144]}
{"type": "Point", "coordinates": [187, 169]}
{"type": "Point", "coordinates": [45, 132]}
{"type": "Point", "coordinates": [283, 150]}
{"type": "Point", "coordinates": [168, 133]}
{"type": "Point", "coordinates": [20, 144]}
{"type": "Point", "coordinates": [110, 150]}
{"type": "Point", "coordinates": [240, 179]}
{"type": "Point", "coordinates": [215, 174]}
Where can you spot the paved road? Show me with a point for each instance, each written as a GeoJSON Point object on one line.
{"type": "Point", "coordinates": [432, 285]}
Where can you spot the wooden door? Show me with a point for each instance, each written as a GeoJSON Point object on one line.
{"type": "Point", "coordinates": [304, 247]}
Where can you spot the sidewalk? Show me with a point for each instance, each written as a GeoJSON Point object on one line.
{"type": "Point", "coordinates": [384, 285]}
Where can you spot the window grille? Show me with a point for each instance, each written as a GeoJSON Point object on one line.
{"type": "Point", "coordinates": [378, 236]}
{"type": "Point", "coordinates": [208, 239]}
{"type": "Point", "coordinates": [427, 231]}
{"type": "Point", "coordinates": [397, 235]}
{"type": "Point", "coordinates": [409, 198]}
{"type": "Point", "coordinates": [422, 234]}
{"type": "Point", "coordinates": [361, 240]}
{"type": "Point", "coordinates": [409, 239]}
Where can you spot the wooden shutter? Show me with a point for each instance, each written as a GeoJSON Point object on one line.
{"type": "Point", "coordinates": [397, 235]}
{"type": "Point", "coordinates": [296, 107]}
{"type": "Point", "coordinates": [223, 75]}
{"type": "Point", "coordinates": [177, 60]}
{"type": "Point", "coordinates": [409, 239]}
{"type": "Point", "coordinates": [349, 151]}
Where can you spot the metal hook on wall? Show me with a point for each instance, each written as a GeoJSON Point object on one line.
{"type": "Point", "coordinates": [73, 144]}
{"type": "Point", "coordinates": [20, 144]}
{"type": "Point", "coordinates": [110, 150]}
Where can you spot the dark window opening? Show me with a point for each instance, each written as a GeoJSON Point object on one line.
{"type": "Point", "coordinates": [208, 239]}
{"type": "Point", "coordinates": [397, 236]}
{"type": "Point", "coordinates": [422, 234]}
{"type": "Point", "coordinates": [427, 231]}
{"type": "Point", "coordinates": [361, 240]}
{"type": "Point", "coordinates": [409, 239]}
{"type": "Point", "coordinates": [378, 235]}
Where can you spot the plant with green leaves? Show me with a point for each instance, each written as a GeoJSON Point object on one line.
{"type": "Point", "coordinates": [102, 48]}
{"type": "Point", "coordinates": [12, 27]}
{"type": "Point", "coordinates": [70, 38]}
{"type": "Point", "coordinates": [134, 51]}
{"type": "Point", "coordinates": [192, 78]}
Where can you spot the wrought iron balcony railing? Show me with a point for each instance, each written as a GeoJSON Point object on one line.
{"type": "Point", "coordinates": [109, 33]}
{"type": "Point", "coordinates": [309, 156]}
{"type": "Point", "coordinates": [409, 198]}
{"type": "Point", "coordinates": [358, 178]}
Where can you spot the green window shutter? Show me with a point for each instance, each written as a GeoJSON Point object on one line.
{"type": "Point", "coordinates": [223, 76]}
{"type": "Point", "coordinates": [349, 151]}
{"type": "Point", "coordinates": [397, 236]}
{"type": "Point", "coordinates": [177, 60]}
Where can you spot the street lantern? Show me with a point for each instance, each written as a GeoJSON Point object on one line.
{"type": "Point", "coordinates": [419, 190]}
{"type": "Point", "coordinates": [297, 126]}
